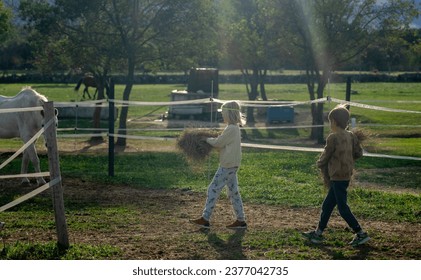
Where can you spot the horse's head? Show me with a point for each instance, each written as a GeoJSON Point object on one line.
{"type": "Point", "coordinates": [39, 101]}
{"type": "Point", "coordinates": [29, 97]}
{"type": "Point", "coordinates": [44, 121]}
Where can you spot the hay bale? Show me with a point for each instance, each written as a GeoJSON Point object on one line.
{"type": "Point", "coordinates": [192, 142]}
{"type": "Point", "coordinates": [361, 134]}
{"type": "Point", "coordinates": [324, 173]}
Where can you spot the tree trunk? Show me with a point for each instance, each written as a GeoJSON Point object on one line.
{"type": "Point", "coordinates": [100, 81]}
{"type": "Point", "coordinates": [313, 77]}
{"type": "Point", "coordinates": [253, 93]}
{"type": "Point", "coordinates": [254, 82]}
{"type": "Point", "coordinates": [262, 85]}
{"type": "Point", "coordinates": [122, 129]}
{"type": "Point", "coordinates": [317, 133]}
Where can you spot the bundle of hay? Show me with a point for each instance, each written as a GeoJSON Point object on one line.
{"type": "Point", "coordinates": [192, 142]}
{"type": "Point", "coordinates": [362, 135]}
{"type": "Point", "coordinates": [324, 174]}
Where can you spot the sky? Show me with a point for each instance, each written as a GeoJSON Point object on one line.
{"type": "Point", "coordinates": [417, 22]}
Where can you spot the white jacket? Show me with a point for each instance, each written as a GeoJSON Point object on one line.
{"type": "Point", "coordinates": [229, 145]}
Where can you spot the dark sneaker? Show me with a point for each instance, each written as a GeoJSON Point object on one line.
{"type": "Point", "coordinates": [2, 225]}
{"type": "Point", "coordinates": [237, 225]}
{"type": "Point", "coordinates": [313, 237]}
{"type": "Point", "coordinates": [201, 222]}
{"type": "Point", "coordinates": [359, 239]}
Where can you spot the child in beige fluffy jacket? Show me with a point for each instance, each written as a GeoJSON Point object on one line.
{"type": "Point", "coordinates": [337, 165]}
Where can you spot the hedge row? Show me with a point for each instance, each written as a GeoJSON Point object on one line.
{"type": "Point", "coordinates": [223, 78]}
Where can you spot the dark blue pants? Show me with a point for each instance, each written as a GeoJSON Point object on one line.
{"type": "Point", "coordinates": [337, 195]}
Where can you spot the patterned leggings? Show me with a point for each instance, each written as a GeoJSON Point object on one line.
{"type": "Point", "coordinates": [224, 177]}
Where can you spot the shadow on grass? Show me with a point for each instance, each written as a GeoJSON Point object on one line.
{"type": "Point", "coordinates": [144, 169]}
{"type": "Point", "coordinates": [232, 248]}
{"type": "Point", "coordinates": [337, 252]}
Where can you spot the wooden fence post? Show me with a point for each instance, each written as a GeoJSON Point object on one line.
{"type": "Point", "coordinates": [54, 166]}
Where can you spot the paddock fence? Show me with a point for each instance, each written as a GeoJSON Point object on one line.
{"type": "Point", "coordinates": [49, 130]}
{"type": "Point", "coordinates": [159, 129]}
{"type": "Point", "coordinates": [149, 127]}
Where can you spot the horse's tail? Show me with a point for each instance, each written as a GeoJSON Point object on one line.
{"type": "Point", "coordinates": [78, 84]}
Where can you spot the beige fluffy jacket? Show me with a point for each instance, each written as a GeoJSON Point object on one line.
{"type": "Point", "coordinates": [339, 155]}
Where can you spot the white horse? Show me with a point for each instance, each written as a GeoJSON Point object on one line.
{"type": "Point", "coordinates": [23, 125]}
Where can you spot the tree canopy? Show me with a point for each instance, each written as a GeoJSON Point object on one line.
{"type": "Point", "coordinates": [5, 22]}
{"type": "Point", "coordinates": [325, 34]}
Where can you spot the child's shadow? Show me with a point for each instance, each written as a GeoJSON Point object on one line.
{"type": "Point", "coordinates": [362, 252]}
{"type": "Point", "coordinates": [232, 249]}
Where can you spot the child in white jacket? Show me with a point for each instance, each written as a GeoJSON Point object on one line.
{"type": "Point", "coordinates": [229, 146]}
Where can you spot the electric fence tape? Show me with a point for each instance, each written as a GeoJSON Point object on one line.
{"type": "Point", "coordinates": [30, 194]}
{"type": "Point", "coordinates": [27, 144]}
{"type": "Point", "coordinates": [248, 103]}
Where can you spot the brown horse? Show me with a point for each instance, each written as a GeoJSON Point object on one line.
{"type": "Point", "coordinates": [88, 81]}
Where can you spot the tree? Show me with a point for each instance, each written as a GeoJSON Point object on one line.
{"type": "Point", "coordinates": [415, 49]}
{"type": "Point", "coordinates": [253, 44]}
{"type": "Point", "coordinates": [154, 31]}
{"type": "Point", "coordinates": [201, 45]}
{"type": "Point", "coordinates": [68, 34]}
{"type": "Point", "coordinates": [325, 34]}
{"type": "Point", "coordinates": [5, 24]}
{"type": "Point", "coordinates": [104, 36]}
{"type": "Point", "coordinates": [5, 27]}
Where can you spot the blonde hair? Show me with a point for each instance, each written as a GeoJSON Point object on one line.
{"type": "Point", "coordinates": [340, 115]}
{"type": "Point", "coordinates": [231, 111]}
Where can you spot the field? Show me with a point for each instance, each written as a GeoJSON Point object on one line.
{"type": "Point", "coordinates": [143, 211]}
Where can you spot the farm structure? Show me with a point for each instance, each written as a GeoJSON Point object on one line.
{"type": "Point", "coordinates": [202, 84]}
{"type": "Point", "coordinates": [280, 114]}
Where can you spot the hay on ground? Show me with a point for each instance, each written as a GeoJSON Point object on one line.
{"type": "Point", "coordinates": [192, 142]}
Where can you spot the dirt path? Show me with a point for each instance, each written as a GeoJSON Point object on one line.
{"type": "Point", "coordinates": [162, 230]}
{"type": "Point", "coordinates": [156, 226]}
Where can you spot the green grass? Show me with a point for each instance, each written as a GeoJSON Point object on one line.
{"type": "Point", "coordinates": [278, 178]}
{"type": "Point", "coordinates": [368, 93]}
{"type": "Point", "coordinates": [284, 178]}
{"type": "Point", "coordinates": [402, 138]}
{"type": "Point", "coordinates": [50, 251]}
